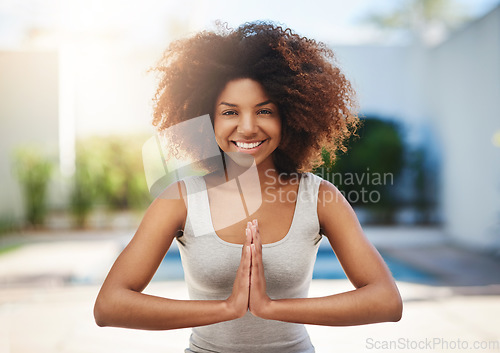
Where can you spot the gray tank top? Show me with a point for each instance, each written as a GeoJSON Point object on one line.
{"type": "Point", "coordinates": [210, 266]}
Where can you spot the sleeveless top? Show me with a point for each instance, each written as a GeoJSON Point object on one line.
{"type": "Point", "coordinates": [210, 266]}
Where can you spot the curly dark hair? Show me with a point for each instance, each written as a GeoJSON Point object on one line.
{"type": "Point", "coordinates": [316, 102]}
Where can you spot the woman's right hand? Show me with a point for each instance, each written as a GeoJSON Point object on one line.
{"type": "Point", "coordinates": [238, 300]}
{"type": "Point", "coordinates": [121, 303]}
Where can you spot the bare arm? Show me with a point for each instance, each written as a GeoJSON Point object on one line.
{"type": "Point", "coordinates": [376, 297]}
{"type": "Point", "coordinates": [121, 302]}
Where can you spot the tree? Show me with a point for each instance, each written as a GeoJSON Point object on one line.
{"type": "Point", "coordinates": [367, 172]}
{"type": "Point", "coordinates": [427, 20]}
{"type": "Point", "coordinates": [33, 171]}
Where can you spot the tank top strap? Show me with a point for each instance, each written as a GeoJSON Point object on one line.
{"type": "Point", "coordinates": [198, 219]}
{"type": "Point", "coordinates": [306, 224]}
{"type": "Point", "coordinates": [308, 193]}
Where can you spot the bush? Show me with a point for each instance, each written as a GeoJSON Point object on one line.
{"type": "Point", "coordinates": [366, 173]}
{"type": "Point", "coordinates": [33, 171]}
{"type": "Point", "coordinates": [109, 171]}
{"type": "Point", "coordinates": [83, 193]}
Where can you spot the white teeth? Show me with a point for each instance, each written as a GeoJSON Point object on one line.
{"type": "Point", "coordinates": [248, 145]}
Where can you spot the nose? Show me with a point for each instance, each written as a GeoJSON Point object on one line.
{"type": "Point", "coordinates": [247, 125]}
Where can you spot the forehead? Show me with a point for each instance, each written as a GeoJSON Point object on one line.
{"type": "Point", "coordinates": [243, 91]}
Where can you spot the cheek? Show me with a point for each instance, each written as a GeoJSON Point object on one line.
{"type": "Point", "coordinates": [217, 128]}
{"type": "Point", "coordinates": [221, 126]}
{"type": "Point", "coordinates": [221, 133]}
{"type": "Point", "coordinates": [278, 131]}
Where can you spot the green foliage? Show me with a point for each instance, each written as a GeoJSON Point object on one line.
{"type": "Point", "coordinates": [83, 193]}
{"type": "Point", "coordinates": [378, 148]}
{"type": "Point", "coordinates": [413, 14]}
{"type": "Point", "coordinates": [121, 182]}
{"type": "Point", "coordinates": [8, 224]}
{"type": "Point", "coordinates": [8, 248]}
{"type": "Point", "coordinates": [33, 171]}
{"type": "Point", "coordinates": [419, 17]}
{"type": "Point", "coordinates": [365, 174]}
{"type": "Point", "coordinates": [424, 183]}
{"type": "Point", "coordinates": [109, 171]}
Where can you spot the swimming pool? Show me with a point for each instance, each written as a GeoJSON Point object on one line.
{"type": "Point", "coordinates": [326, 267]}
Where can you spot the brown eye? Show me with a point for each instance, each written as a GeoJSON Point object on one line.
{"type": "Point", "coordinates": [265, 111]}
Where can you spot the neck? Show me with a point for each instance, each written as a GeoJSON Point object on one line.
{"type": "Point", "coordinates": [268, 175]}
{"type": "Point", "coordinates": [266, 170]}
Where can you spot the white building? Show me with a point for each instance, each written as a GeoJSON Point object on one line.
{"type": "Point", "coordinates": [453, 87]}
{"type": "Point", "coordinates": [29, 116]}
{"type": "Point", "coordinates": [463, 92]}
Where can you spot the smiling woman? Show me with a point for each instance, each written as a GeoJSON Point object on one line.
{"type": "Point", "coordinates": [247, 121]}
{"type": "Point", "coordinates": [277, 98]}
{"type": "Point", "coordinates": [315, 101]}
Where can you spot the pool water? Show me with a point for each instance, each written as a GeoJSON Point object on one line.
{"type": "Point", "coordinates": [326, 267]}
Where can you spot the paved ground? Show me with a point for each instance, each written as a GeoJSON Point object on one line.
{"type": "Point", "coordinates": [48, 286]}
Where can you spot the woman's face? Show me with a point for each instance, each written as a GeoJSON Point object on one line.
{"type": "Point", "coordinates": [247, 121]}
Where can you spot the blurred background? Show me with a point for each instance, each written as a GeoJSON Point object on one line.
{"type": "Point", "coordinates": [424, 176]}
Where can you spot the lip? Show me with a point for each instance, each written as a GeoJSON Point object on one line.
{"type": "Point", "coordinates": [249, 150]}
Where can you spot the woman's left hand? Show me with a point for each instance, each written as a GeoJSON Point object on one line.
{"type": "Point", "coordinates": [259, 301]}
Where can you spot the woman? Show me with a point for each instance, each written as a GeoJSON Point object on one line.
{"type": "Point", "coordinates": [276, 97]}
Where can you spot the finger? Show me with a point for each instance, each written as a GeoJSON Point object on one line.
{"type": "Point", "coordinates": [245, 251]}
{"type": "Point", "coordinates": [248, 236]}
{"type": "Point", "coordinates": [255, 224]}
{"type": "Point", "coordinates": [255, 263]}
{"type": "Point", "coordinates": [249, 226]}
{"type": "Point", "coordinates": [243, 248]}
{"type": "Point", "coordinates": [252, 227]}
{"type": "Point", "coordinates": [256, 236]}
{"type": "Point", "coordinates": [257, 249]}
{"type": "Point", "coordinates": [256, 273]}
{"type": "Point", "coordinates": [243, 275]}
{"type": "Point", "coordinates": [248, 259]}
{"type": "Point", "coordinates": [246, 263]}
{"type": "Point", "coordinates": [256, 258]}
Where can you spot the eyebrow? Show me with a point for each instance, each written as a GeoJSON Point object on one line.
{"type": "Point", "coordinates": [263, 103]}
{"type": "Point", "coordinates": [235, 105]}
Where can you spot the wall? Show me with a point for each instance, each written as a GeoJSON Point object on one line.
{"type": "Point", "coordinates": [454, 87]}
{"type": "Point", "coordinates": [464, 88]}
{"type": "Point", "coordinates": [28, 115]}
{"type": "Point", "coordinates": [386, 79]}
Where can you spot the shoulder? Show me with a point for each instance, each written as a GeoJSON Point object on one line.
{"type": "Point", "coordinates": [332, 204]}
{"type": "Point", "coordinates": [170, 204]}
{"type": "Point", "coordinates": [175, 191]}
{"type": "Point", "coordinates": [327, 192]}
{"type": "Point", "coordinates": [311, 179]}
{"type": "Point", "coordinates": [323, 187]}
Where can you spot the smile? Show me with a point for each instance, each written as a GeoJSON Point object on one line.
{"type": "Point", "coordinates": [248, 146]}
